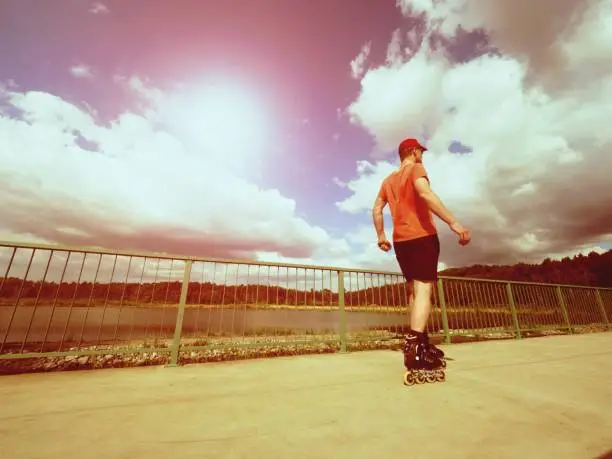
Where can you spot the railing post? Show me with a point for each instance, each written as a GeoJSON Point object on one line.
{"type": "Point", "coordinates": [517, 325]}
{"type": "Point", "coordinates": [176, 342]}
{"type": "Point", "coordinates": [604, 314]}
{"type": "Point", "coordinates": [564, 309]}
{"type": "Point", "coordinates": [342, 310]}
{"type": "Point", "coordinates": [442, 300]}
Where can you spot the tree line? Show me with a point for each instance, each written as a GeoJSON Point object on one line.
{"type": "Point", "coordinates": [591, 270]}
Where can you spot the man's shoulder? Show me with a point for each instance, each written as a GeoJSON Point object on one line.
{"type": "Point", "coordinates": [419, 170]}
{"type": "Point", "coordinates": [388, 177]}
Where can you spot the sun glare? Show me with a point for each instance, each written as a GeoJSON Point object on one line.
{"type": "Point", "coordinates": [228, 122]}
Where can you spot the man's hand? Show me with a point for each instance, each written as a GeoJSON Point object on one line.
{"type": "Point", "coordinates": [383, 243]}
{"type": "Point", "coordinates": [465, 235]}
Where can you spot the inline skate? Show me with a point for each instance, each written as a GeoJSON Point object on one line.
{"type": "Point", "coordinates": [435, 351]}
{"type": "Point", "coordinates": [420, 362]}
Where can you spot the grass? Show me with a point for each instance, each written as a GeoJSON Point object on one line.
{"type": "Point", "coordinates": [217, 348]}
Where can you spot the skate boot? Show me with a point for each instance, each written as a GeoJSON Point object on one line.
{"type": "Point", "coordinates": [421, 365]}
{"type": "Point", "coordinates": [435, 351]}
{"type": "Point", "coordinates": [431, 348]}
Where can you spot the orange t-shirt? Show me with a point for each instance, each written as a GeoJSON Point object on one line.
{"type": "Point", "coordinates": [411, 215]}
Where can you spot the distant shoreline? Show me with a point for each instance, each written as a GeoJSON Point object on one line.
{"type": "Point", "coordinates": [373, 308]}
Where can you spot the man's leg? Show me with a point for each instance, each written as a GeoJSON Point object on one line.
{"type": "Point", "coordinates": [425, 274]}
{"type": "Point", "coordinates": [419, 259]}
{"type": "Point", "coordinates": [421, 310]}
{"type": "Point", "coordinates": [410, 299]}
{"type": "Point", "coordinates": [421, 305]}
{"type": "Point", "coordinates": [422, 362]}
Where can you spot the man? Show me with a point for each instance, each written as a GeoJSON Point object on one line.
{"type": "Point", "coordinates": [415, 240]}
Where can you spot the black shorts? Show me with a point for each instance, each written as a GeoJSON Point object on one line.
{"type": "Point", "coordinates": [418, 258]}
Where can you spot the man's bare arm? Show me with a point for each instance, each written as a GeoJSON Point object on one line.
{"type": "Point", "coordinates": [377, 216]}
{"type": "Point", "coordinates": [435, 205]}
{"type": "Point", "coordinates": [433, 201]}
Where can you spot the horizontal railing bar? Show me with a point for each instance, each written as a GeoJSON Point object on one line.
{"type": "Point", "coordinates": [501, 281]}
{"type": "Point", "coordinates": [168, 256]}
{"type": "Point", "coordinates": [238, 261]}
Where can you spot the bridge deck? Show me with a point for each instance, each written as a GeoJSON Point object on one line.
{"type": "Point", "coordinates": [506, 399]}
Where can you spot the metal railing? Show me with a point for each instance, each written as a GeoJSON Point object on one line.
{"type": "Point", "coordinates": [65, 302]}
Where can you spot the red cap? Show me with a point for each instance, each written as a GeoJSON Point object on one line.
{"type": "Point", "coordinates": [411, 143]}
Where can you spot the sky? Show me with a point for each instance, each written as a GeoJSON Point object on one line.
{"type": "Point", "coordinates": [262, 129]}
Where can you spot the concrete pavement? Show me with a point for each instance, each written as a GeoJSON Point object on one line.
{"type": "Point", "coordinates": [532, 398]}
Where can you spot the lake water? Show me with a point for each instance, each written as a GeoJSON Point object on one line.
{"type": "Point", "coordinates": [98, 325]}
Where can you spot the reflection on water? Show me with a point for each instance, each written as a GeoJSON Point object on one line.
{"type": "Point", "coordinates": [92, 325]}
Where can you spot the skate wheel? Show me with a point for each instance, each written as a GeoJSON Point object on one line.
{"type": "Point", "coordinates": [440, 376]}
{"type": "Point", "coordinates": [420, 378]}
{"type": "Point", "coordinates": [431, 377]}
{"type": "Point", "coordinates": [408, 379]}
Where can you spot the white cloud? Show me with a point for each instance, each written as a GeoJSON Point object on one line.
{"type": "Point", "coordinates": [99, 8]}
{"type": "Point", "coordinates": [585, 250]}
{"type": "Point", "coordinates": [395, 101]}
{"type": "Point", "coordinates": [365, 188]}
{"type": "Point", "coordinates": [338, 182]}
{"type": "Point", "coordinates": [536, 114]}
{"type": "Point", "coordinates": [140, 188]}
{"type": "Point", "coordinates": [358, 64]}
{"type": "Point", "coordinates": [81, 71]}
{"type": "Point", "coordinates": [215, 119]}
